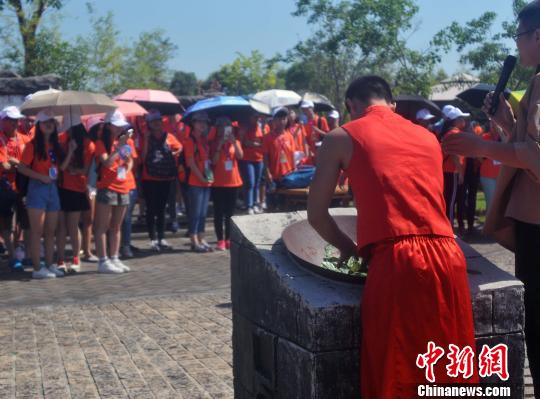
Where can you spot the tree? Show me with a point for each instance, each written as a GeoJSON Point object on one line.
{"type": "Point", "coordinates": [357, 37]}
{"type": "Point", "coordinates": [247, 75]}
{"type": "Point", "coordinates": [146, 64]}
{"type": "Point", "coordinates": [482, 51]}
{"type": "Point", "coordinates": [184, 84]}
{"type": "Point", "coordinates": [68, 60]}
{"type": "Point", "coordinates": [29, 14]}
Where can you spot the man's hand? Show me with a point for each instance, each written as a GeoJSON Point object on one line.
{"type": "Point", "coordinates": [504, 116]}
{"type": "Point", "coordinates": [347, 251]}
{"type": "Point", "coordinates": [465, 144]}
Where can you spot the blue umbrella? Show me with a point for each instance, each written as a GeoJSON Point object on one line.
{"type": "Point", "coordinates": [231, 106]}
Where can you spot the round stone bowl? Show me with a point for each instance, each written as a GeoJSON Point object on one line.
{"type": "Point", "coordinates": [306, 247]}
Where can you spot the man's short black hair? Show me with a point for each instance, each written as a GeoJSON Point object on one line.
{"type": "Point", "coordinates": [369, 87]}
{"type": "Point", "coordinates": [529, 16]}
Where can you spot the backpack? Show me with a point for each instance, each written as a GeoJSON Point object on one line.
{"type": "Point", "coordinates": [160, 161]}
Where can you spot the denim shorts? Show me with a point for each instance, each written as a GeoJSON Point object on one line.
{"type": "Point", "coordinates": [42, 196]}
{"type": "Point", "coordinates": [109, 197]}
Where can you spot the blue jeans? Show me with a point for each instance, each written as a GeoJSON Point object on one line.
{"type": "Point", "coordinates": [126, 223]}
{"type": "Point", "coordinates": [488, 185]}
{"type": "Point", "coordinates": [42, 196]}
{"type": "Point", "coordinates": [251, 175]}
{"type": "Point", "coordinates": [198, 207]}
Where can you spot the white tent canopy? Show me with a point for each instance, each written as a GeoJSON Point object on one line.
{"type": "Point", "coordinates": [448, 89]}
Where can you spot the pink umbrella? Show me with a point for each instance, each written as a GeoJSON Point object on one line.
{"type": "Point", "coordinates": [164, 101]}
{"type": "Point", "coordinates": [130, 108]}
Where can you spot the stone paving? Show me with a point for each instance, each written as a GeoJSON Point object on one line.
{"type": "Point", "coordinates": [161, 331]}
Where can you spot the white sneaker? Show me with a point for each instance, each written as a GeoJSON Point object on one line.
{"type": "Point", "coordinates": [56, 271]}
{"type": "Point", "coordinates": [120, 265]}
{"type": "Point", "coordinates": [75, 267]}
{"type": "Point", "coordinates": [264, 206]}
{"type": "Point", "coordinates": [108, 267]}
{"type": "Point", "coordinates": [251, 211]}
{"type": "Point", "coordinates": [43, 273]}
{"type": "Point", "coordinates": [154, 245]}
{"type": "Point", "coordinates": [257, 210]}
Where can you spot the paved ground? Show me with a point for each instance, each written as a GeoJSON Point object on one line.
{"type": "Point", "coordinates": [161, 331]}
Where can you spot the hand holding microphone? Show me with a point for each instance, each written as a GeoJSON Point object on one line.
{"type": "Point", "coordinates": [495, 103]}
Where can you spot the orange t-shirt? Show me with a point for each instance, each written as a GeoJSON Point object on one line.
{"type": "Point", "coordinates": [108, 176]}
{"type": "Point", "coordinates": [253, 154]}
{"type": "Point", "coordinates": [200, 152]}
{"type": "Point", "coordinates": [299, 134]}
{"type": "Point", "coordinates": [226, 171]}
{"type": "Point", "coordinates": [76, 182]}
{"type": "Point", "coordinates": [449, 165]}
{"type": "Point", "coordinates": [280, 151]}
{"type": "Point", "coordinates": [11, 147]}
{"type": "Point", "coordinates": [315, 122]}
{"type": "Point", "coordinates": [175, 146]}
{"type": "Point", "coordinates": [41, 166]}
{"type": "Point", "coordinates": [489, 168]}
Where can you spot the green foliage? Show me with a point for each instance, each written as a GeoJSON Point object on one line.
{"type": "Point", "coordinates": [246, 74]}
{"type": "Point", "coordinates": [146, 64]}
{"type": "Point", "coordinates": [53, 55]}
{"type": "Point", "coordinates": [184, 84]}
{"type": "Point", "coordinates": [482, 50]}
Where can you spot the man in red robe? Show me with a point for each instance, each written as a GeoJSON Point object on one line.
{"type": "Point", "coordinates": [417, 289]}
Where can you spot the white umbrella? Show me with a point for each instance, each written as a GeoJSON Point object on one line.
{"type": "Point", "coordinates": [69, 104]}
{"type": "Point", "coordinates": [278, 98]}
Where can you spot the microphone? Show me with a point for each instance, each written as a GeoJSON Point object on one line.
{"type": "Point", "coordinates": [508, 67]}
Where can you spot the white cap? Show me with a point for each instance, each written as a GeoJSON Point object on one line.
{"type": "Point", "coordinates": [116, 118]}
{"type": "Point", "coordinates": [333, 114]}
{"type": "Point", "coordinates": [446, 110]}
{"type": "Point", "coordinates": [277, 110]}
{"type": "Point", "coordinates": [307, 104]}
{"type": "Point", "coordinates": [455, 113]}
{"type": "Point", "coordinates": [44, 115]}
{"type": "Point", "coordinates": [424, 115]}
{"type": "Point", "coordinates": [11, 112]}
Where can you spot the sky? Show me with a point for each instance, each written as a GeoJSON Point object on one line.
{"type": "Point", "coordinates": [209, 33]}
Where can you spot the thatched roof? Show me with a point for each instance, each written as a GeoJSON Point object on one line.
{"type": "Point", "coordinates": [14, 85]}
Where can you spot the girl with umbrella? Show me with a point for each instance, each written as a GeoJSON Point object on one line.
{"type": "Point", "coordinates": [40, 163]}
{"type": "Point", "coordinates": [115, 155]}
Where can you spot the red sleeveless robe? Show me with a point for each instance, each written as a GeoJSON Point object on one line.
{"type": "Point", "coordinates": [417, 287]}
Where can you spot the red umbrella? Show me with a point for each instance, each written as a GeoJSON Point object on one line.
{"type": "Point", "coordinates": [164, 101]}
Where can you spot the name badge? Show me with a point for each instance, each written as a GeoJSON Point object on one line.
{"type": "Point", "coordinates": [496, 163]}
{"type": "Point", "coordinates": [283, 158]}
{"type": "Point", "coordinates": [228, 165]}
{"type": "Point", "coordinates": [53, 173]}
{"type": "Point", "coordinates": [121, 173]}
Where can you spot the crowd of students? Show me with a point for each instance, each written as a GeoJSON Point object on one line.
{"type": "Point", "coordinates": [463, 176]}
{"type": "Point", "coordinates": [84, 182]}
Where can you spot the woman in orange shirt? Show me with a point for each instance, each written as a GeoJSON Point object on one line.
{"type": "Point", "coordinates": [73, 190]}
{"type": "Point", "coordinates": [226, 152]}
{"type": "Point", "coordinates": [251, 166]}
{"type": "Point", "coordinates": [40, 161]}
{"type": "Point", "coordinates": [201, 177]}
{"type": "Point", "coordinates": [115, 155]}
{"type": "Point", "coordinates": [298, 132]}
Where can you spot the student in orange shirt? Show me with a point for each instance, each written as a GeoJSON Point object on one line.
{"type": "Point", "coordinates": [251, 166]}
{"type": "Point", "coordinates": [159, 157]}
{"type": "Point", "coordinates": [333, 120]}
{"type": "Point", "coordinates": [316, 126]}
{"type": "Point", "coordinates": [73, 191]}
{"type": "Point", "coordinates": [201, 177]}
{"type": "Point", "coordinates": [453, 165]}
{"type": "Point", "coordinates": [40, 162]}
{"type": "Point", "coordinates": [278, 149]}
{"type": "Point", "coordinates": [298, 132]}
{"type": "Point", "coordinates": [11, 147]}
{"type": "Point", "coordinates": [115, 155]}
{"type": "Point", "coordinates": [226, 151]}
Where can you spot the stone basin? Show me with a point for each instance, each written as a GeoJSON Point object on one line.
{"type": "Point", "coordinates": [296, 334]}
